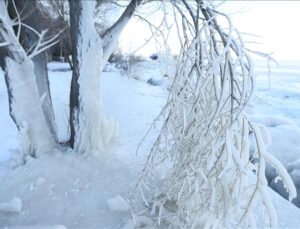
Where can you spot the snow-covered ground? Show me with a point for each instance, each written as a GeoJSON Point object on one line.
{"type": "Point", "coordinates": [78, 191]}
{"type": "Point", "coordinates": [277, 106]}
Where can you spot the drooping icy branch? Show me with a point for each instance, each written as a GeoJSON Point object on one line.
{"type": "Point", "coordinates": [204, 135]}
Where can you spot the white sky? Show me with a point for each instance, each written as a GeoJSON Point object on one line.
{"type": "Point", "coordinates": [276, 22]}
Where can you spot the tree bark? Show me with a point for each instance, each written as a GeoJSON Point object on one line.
{"type": "Point", "coordinates": [75, 15]}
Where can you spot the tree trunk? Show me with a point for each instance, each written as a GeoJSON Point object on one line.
{"type": "Point", "coordinates": [75, 14]}
{"type": "Point", "coordinates": [25, 103]}
{"type": "Point", "coordinates": [88, 127]}
{"type": "Point", "coordinates": [3, 55]}
{"type": "Point", "coordinates": [89, 130]}
{"type": "Point", "coordinates": [26, 106]}
{"type": "Point", "coordinates": [43, 85]}
{"type": "Point", "coordinates": [27, 38]}
{"type": "Point", "coordinates": [34, 19]}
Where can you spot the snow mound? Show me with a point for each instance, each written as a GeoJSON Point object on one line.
{"type": "Point", "coordinates": [118, 204]}
{"type": "Point", "coordinates": [13, 206]}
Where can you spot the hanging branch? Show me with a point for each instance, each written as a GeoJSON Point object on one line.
{"type": "Point", "coordinates": [204, 135]}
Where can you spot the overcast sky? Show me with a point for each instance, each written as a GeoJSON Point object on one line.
{"type": "Point", "coordinates": [276, 22]}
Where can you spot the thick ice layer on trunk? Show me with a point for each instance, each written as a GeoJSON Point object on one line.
{"type": "Point", "coordinates": [92, 131]}
{"type": "Point", "coordinates": [26, 106]}
{"type": "Point", "coordinates": [25, 102]}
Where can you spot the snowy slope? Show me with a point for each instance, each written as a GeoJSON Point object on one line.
{"type": "Point", "coordinates": [73, 190]}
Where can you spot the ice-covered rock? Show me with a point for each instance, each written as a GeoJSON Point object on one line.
{"type": "Point", "coordinates": [155, 82]}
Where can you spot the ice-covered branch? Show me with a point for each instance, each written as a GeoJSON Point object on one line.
{"type": "Point", "coordinates": [111, 35]}
{"type": "Point", "coordinates": [204, 134]}
{"type": "Point", "coordinates": [2, 44]}
{"type": "Point", "coordinates": [44, 44]}
{"type": "Point", "coordinates": [11, 39]}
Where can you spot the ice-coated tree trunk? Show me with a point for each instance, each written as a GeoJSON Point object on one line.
{"type": "Point", "coordinates": [25, 102]}
{"type": "Point", "coordinates": [87, 124]}
{"type": "Point", "coordinates": [27, 39]}
{"type": "Point", "coordinates": [26, 106]}
{"type": "Point", "coordinates": [90, 132]}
